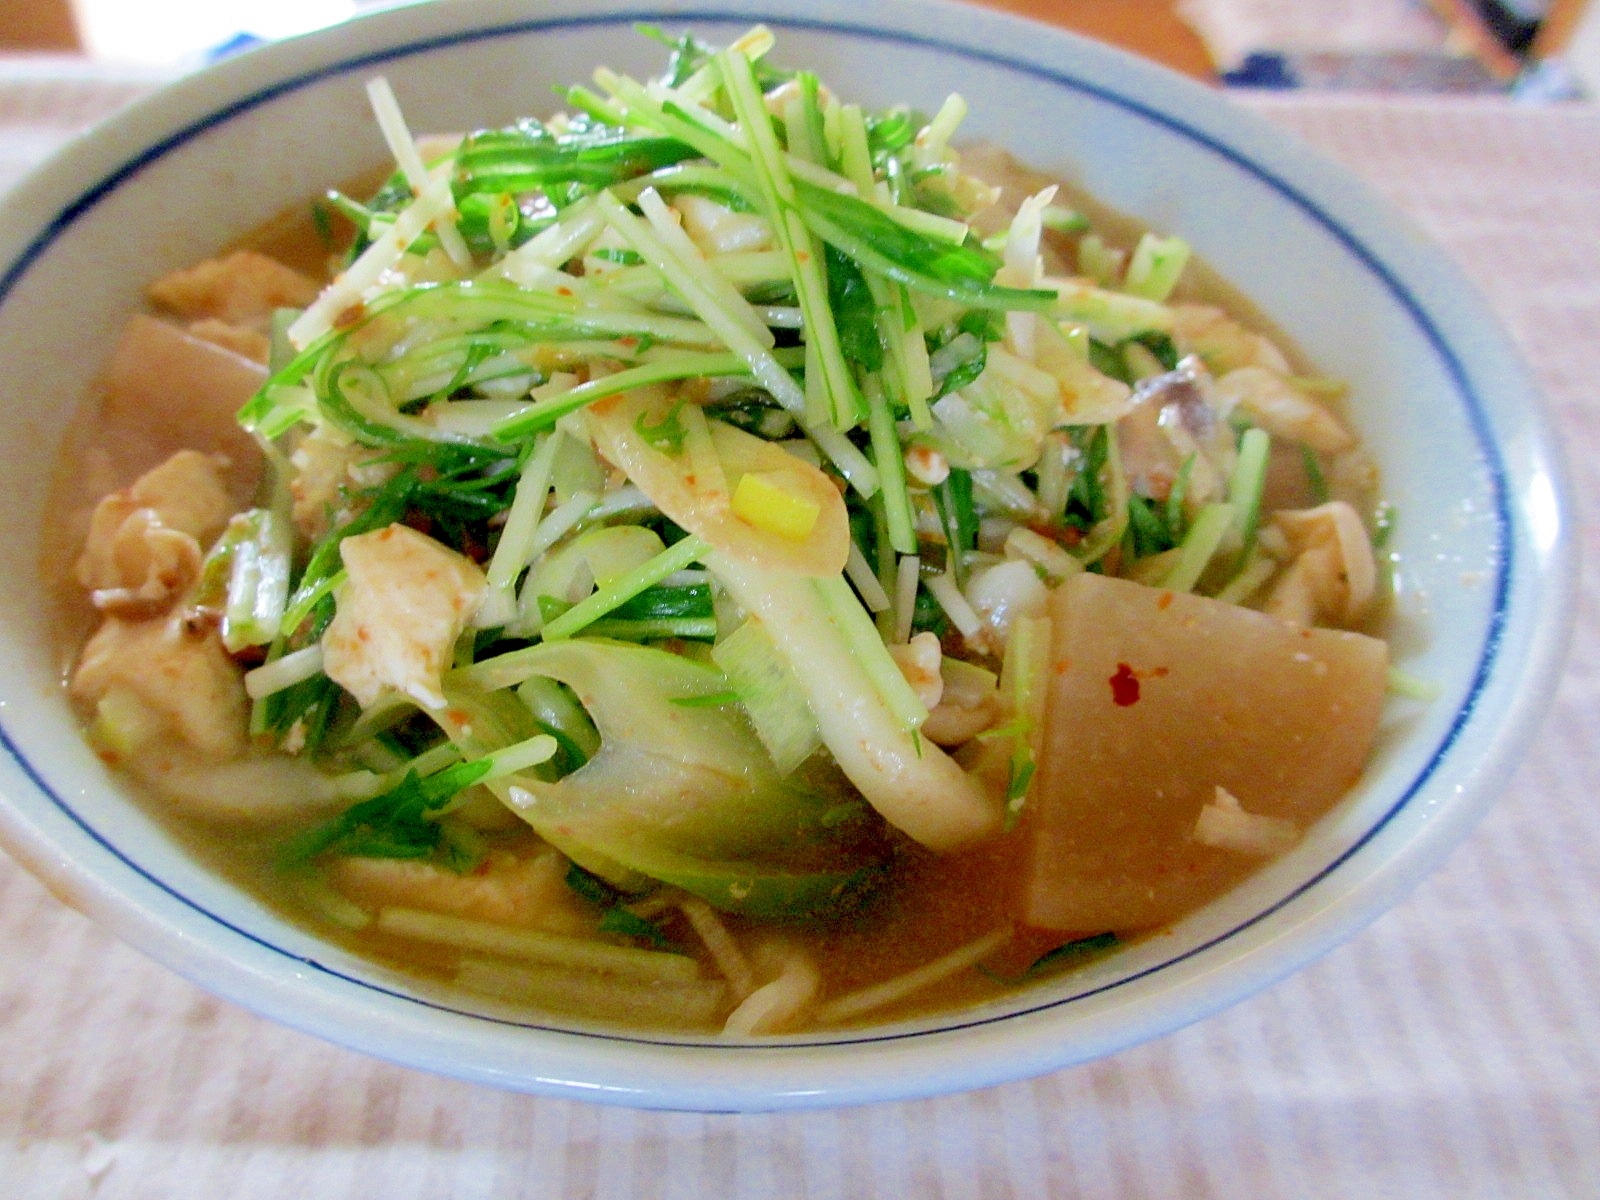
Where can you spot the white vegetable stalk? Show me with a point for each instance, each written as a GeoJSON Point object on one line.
{"type": "Point", "coordinates": [680, 247]}
{"type": "Point", "coordinates": [258, 582]}
{"type": "Point", "coordinates": [477, 419]}
{"type": "Point", "coordinates": [285, 672]}
{"type": "Point", "coordinates": [911, 782]}
{"type": "Point", "coordinates": [516, 538]}
{"type": "Point", "coordinates": [907, 577]}
{"type": "Point", "coordinates": [934, 139]}
{"type": "Point", "coordinates": [1025, 680]}
{"type": "Point", "coordinates": [404, 148]}
{"type": "Point", "coordinates": [941, 229]}
{"type": "Point", "coordinates": [855, 154]}
{"type": "Point", "coordinates": [1042, 553]}
{"type": "Point", "coordinates": [432, 203]}
{"type": "Point", "coordinates": [769, 695]}
{"type": "Point", "coordinates": [540, 748]}
{"type": "Point", "coordinates": [626, 962]}
{"type": "Point", "coordinates": [610, 595]}
{"type": "Point", "coordinates": [859, 1003]}
{"type": "Point", "coordinates": [1156, 266]}
{"type": "Point", "coordinates": [627, 499]}
{"type": "Point", "coordinates": [962, 615]}
{"type": "Point", "coordinates": [1109, 316]}
{"type": "Point", "coordinates": [842, 453]}
{"type": "Point", "coordinates": [754, 44]}
{"type": "Point", "coordinates": [866, 582]}
{"type": "Point", "coordinates": [560, 522]}
{"type": "Point", "coordinates": [1257, 570]}
{"type": "Point", "coordinates": [1022, 267]}
{"type": "Point", "coordinates": [714, 301]}
{"type": "Point", "coordinates": [780, 316]}
{"type": "Point", "coordinates": [551, 247]}
{"type": "Point", "coordinates": [606, 998]}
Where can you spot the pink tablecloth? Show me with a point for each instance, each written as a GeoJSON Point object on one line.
{"type": "Point", "coordinates": [1453, 1050]}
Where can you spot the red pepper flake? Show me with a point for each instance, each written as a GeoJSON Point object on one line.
{"type": "Point", "coordinates": [629, 342]}
{"type": "Point", "coordinates": [1124, 686]}
{"type": "Point", "coordinates": [1165, 602]}
{"type": "Point", "coordinates": [563, 291]}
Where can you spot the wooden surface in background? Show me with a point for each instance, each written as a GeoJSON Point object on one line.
{"type": "Point", "coordinates": [38, 25]}
{"type": "Point", "coordinates": [1148, 27]}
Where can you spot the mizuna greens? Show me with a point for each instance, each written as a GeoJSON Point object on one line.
{"type": "Point", "coordinates": [678, 517]}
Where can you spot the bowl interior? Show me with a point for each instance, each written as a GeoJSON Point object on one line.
{"type": "Point", "coordinates": [1435, 393]}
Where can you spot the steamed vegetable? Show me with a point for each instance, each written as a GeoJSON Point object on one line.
{"type": "Point", "coordinates": [678, 792]}
{"type": "Point", "coordinates": [867, 716]}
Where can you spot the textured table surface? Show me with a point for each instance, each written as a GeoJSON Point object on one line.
{"type": "Point", "coordinates": [1453, 1049]}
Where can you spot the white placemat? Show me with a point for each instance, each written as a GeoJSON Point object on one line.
{"type": "Point", "coordinates": [1233, 29]}
{"type": "Point", "coordinates": [1453, 1050]}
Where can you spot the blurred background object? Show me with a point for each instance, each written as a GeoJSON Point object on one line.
{"type": "Point", "coordinates": [184, 32]}
{"type": "Point", "coordinates": [1535, 49]}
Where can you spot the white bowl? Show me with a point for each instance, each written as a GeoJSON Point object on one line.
{"type": "Point", "coordinates": [1486, 560]}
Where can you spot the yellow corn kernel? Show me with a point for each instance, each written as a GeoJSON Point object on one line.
{"type": "Point", "coordinates": [766, 500]}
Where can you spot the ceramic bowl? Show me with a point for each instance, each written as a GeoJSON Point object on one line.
{"type": "Point", "coordinates": [1483, 545]}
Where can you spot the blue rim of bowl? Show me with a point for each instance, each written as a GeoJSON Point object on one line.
{"type": "Point", "coordinates": [1478, 419]}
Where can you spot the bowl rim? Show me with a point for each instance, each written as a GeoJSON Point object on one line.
{"type": "Point", "coordinates": [1024, 47]}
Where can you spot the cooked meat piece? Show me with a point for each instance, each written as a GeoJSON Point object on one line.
{"type": "Point", "coordinates": [241, 289]}
{"type": "Point", "coordinates": [405, 602]}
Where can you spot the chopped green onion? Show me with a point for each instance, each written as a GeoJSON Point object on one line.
{"type": "Point", "coordinates": [1245, 487]}
{"type": "Point", "coordinates": [1210, 526]}
{"type": "Point", "coordinates": [765, 685]}
{"type": "Point", "coordinates": [1156, 266]}
{"type": "Point", "coordinates": [284, 672]}
{"type": "Point", "coordinates": [869, 650]}
{"type": "Point", "coordinates": [687, 365]}
{"type": "Point", "coordinates": [805, 253]}
{"type": "Point", "coordinates": [516, 537]}
{"type": "Point", "coordinates": [1412, 687]}
{"type": "Point", "coordinates": [887, 456]}
{"type": "Point", "coordinates": [1024, 680]}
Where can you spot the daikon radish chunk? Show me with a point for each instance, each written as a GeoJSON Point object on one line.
{"type": "Point", "coordinates": [166, 391]}
{"type": "Point", "coordinates": [1157, 699]}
